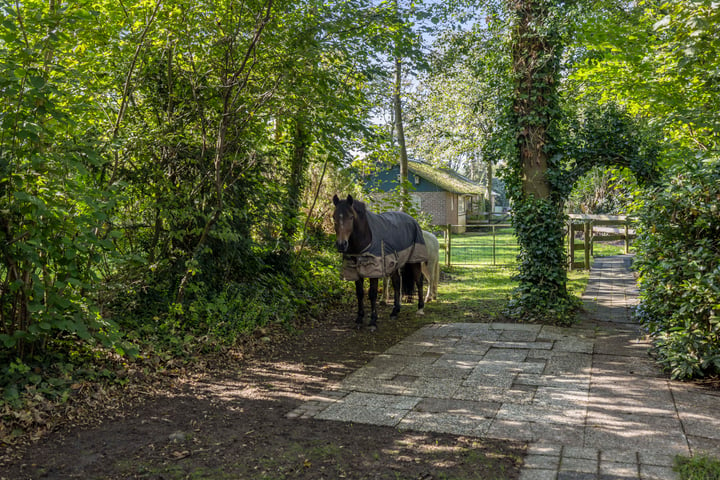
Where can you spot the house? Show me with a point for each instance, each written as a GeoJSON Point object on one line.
{"type": "Point", "coordinates": [441, 192]}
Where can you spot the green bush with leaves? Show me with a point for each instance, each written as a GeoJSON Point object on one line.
{"type": "Point", "coordinates": [679, 264]}
{"type": "Point", "coordinates": [277, 290]}
{"type": "Point", "coordinates": [54, 213]}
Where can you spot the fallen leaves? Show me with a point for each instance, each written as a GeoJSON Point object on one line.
{"type": "Point", "coordinates": [179, 455]}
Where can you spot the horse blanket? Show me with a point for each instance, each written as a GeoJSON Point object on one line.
{"type": "Point", "coordinates": [397, 239]}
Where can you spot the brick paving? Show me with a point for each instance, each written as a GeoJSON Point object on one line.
{"type": "Point", "coordinates": [589, 400]}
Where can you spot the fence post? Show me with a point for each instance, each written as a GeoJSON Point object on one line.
{"type": "Point", "coordinates": [571, 247]}
{"type": "Point", "coordinates": [627, 236]}
{"type": "Point", "coordinates": [571, 244]}
{"type": "Point", "coordinates": [588, 243]}
{"type": "Point", "coordinates": [494, 241]}
{"type": "Point", "coordinates": [448, 241]}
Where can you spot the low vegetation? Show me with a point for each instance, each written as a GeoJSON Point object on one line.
{"type": "Point", "coordinates": [679, 265]}
{"type": "Point", "coordinates": [700, 467]}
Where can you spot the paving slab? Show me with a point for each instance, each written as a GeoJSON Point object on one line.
{"type": "Point", "coordinates": [589, 399]}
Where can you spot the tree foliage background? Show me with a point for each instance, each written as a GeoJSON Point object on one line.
{"type": "Point", "coordinates": [163, 164]}
{"type": "Point", "coordinates": [160, 164]}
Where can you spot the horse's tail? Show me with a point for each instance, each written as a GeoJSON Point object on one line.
{"type": "Point", "coordinates": [408, 279]}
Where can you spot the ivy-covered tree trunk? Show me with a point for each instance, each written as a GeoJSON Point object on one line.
{"type": "Point", "coordinates": [538, 216]}
{"type": "Point", "coordinates": [296, 181]}
{"type": "Point", "coordinates": [489, 193]}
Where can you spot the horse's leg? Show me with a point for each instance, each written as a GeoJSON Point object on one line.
{"type": "Point", "coordinates": [373, 294]}
{"type": "Point", "coordinates": [436, 278]}
{"type": "Point", "coordinates": [360, 293]}
{"type": "Point", "coordinates": [386, 291]}
{"type": "Point", "coordinates": [426, 273]}
{"type": "Point", "coordinates": [419, 283]}
{"type": "Point", "coordinates": [395, 278]}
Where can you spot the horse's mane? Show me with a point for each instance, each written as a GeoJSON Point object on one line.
{"type": "Point", "coordinates": [359, 207]}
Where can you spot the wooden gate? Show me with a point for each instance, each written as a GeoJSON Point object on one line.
{"type": "Point", "coordinates": [606, 228]}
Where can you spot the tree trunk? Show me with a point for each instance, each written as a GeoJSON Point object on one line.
{"type": "Point", "coordinates": [538, 217]}
{"type": "Point", "coordinates": [397, 103]}
{"type": "Point", "coordinates": [296, 181]}
{"type": "Point", "coordinates": [490, 197]}
{"type": "Point", "coordinates": [534, 65]}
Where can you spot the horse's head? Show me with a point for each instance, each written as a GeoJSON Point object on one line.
{"type": "Point", "coordinates": [344, 218]}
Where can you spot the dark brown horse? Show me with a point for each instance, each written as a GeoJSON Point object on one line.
{"type": "Point", "coordinates": [375, 246]}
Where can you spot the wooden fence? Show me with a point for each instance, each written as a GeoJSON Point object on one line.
{"type": "Point", "coordinates": [478, 244]}
{"type": "Point", "coordinates": [594, 228]}
{"type": "Point", "coordinates": [495, 244]}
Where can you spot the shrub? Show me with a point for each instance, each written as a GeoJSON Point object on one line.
{"type": "Point", "coordinates": [281, 289]}
{"type": "Point", "coordinates": [679, 265]}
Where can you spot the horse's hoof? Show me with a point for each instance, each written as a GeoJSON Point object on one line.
{"type": "Point", "coordinates": [421, 312]}
{"type": "Point", "coordinates": [372, 328]}
{"type": "Point", "coordinates": [358, 326]}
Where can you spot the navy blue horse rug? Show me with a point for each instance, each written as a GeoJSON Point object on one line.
{"type": "Point", "coordinates": [397, 239]}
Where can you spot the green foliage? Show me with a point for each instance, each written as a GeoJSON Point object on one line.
{"type": "Point", "coordinates": [659, 61]}
{"type": "Point", "coordinates": [679, 265]}
{"type": "Point", "coordinates": [53, 214]}
{"type": "Point", "coordinates": [393, 200]}
{"type": "Point", "coordinates": [606, 135]}
{"type": "Point", "coordinates": [604, 190]}
{"type": "Point", "coordinates": [213, 318]}
{"type": "Point", "coordinates": [154, 157]}
{"type": "Point", "coordinates": [699, 467]}
{"type": "Point", "coordinates": [542, 294]}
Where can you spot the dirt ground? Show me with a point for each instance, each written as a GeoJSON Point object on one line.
{"type": "Point", "coordinates": [228, 421]}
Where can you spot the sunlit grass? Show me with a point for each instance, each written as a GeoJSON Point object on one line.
{"type": "Point", "coordinates": [479, 294]}
{"type": "Point", "coordinates": [700, 467]}
{"type": "Point", "coordinates": [499, 247]}
{"type": "Point", "coordinates": [603, 249]}
{"type": "Point", "coordinates": [483, 246]}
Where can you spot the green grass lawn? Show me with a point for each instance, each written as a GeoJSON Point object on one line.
{"type": "Point", "coordinates": [497, 246]}
{"type": "Point", "coordinates": [603, 249]}
{"type": "Point", "coordinates": [479, 294]}
{"type": "Point", "coordinates": [484, 245]}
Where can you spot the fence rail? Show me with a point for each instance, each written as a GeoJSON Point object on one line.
{"type": "Point", "coordinates": [495, 244]}
{"type": "Point", "coordinates": [486, 244]}
{"type": "Point", "coordinates": [596, 228]}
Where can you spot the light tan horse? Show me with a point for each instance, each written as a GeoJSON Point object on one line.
{"type": "Point", "coordinates": [430, 269]}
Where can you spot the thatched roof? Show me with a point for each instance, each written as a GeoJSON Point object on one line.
{"type": "Point", "coordinates": [445, 178]}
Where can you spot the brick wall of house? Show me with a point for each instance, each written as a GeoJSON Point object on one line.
{"type": "Point", "coordinates": [437, 205]}
{"type": "Point", "coordinates": [443, 206]}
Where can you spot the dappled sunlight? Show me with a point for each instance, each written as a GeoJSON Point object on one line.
{"type": "Point", "coordinates": [272, 381]}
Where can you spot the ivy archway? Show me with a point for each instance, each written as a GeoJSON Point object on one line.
{"type": "Point", "coordinates": [598, 136]}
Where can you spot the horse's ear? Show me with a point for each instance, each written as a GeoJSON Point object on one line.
{"type": "Point", "coordinates": [336, 200]}
{"type": "Point", "coordinates": [349, 200]}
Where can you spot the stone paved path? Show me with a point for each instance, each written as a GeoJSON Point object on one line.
{"type": "Point", "coordinates": [589, 400]}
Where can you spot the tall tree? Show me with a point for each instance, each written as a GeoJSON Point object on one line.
{"type": "Point", "coordinates": [400, 133]}
{"type": "Point", "coordinates": [537, 203]}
